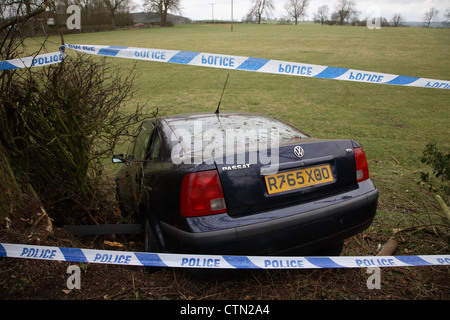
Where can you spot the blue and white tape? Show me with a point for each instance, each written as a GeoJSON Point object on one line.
{"type": "Point", "coordinates": [34, 61]}
{"type": "Point", "coordinates": [213, 261]}
{"type": "Point", "coordinates": [258, 65]}
{"type": "Point", "coordinates": [231, 62]}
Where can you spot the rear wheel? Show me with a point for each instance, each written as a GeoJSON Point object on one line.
{"type": "Point", "coordinates": [150, 242]}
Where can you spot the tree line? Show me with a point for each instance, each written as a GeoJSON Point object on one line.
{"type": "Point", "coordinates": [115, 12]}
{"type": "Point", "coordinates": [118, 12]}
{"type": "Point", "coordinates": [92, 12]}
{"type": "Point", "coordinates": [344, 12]}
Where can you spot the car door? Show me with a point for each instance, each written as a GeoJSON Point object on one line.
{"type": "Point", "coordinates": [137, 160]}
{"type": "Point", "coordinates": [152, 169]}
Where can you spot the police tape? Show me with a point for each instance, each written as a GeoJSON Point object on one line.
{"type": "Point", "coordinates": [149, 259]}
{"type": "Point", "coordinates": [33, 61]}
{"type": "Point", "coordinates": [230, 62]}
{"type": "Point", "coordinates": [257, 65]}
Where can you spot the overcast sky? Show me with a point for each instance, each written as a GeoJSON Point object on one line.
{"type": "Point", "coordinates": [412, 10]}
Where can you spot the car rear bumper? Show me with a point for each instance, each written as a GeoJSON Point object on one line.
{"type": "Point", "coordinates": [332, 220]}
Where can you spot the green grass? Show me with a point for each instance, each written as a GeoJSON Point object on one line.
{"type": "Point", "coordinates": [393, 123]}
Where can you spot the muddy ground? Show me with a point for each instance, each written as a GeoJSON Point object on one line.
{"type": "Point", "coordinates": [23, 279]}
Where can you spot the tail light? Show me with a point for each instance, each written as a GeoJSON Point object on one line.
{"type": "Point", "coordinates": [201, 194]}
{"type": "Point", "coordinates": [362, 169]}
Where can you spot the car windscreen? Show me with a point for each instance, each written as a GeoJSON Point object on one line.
{"type": "Point", "coordinates": [243, 131]}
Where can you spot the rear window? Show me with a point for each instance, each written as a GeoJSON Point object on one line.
{"type": "Point", "coordinates": [250, 131]}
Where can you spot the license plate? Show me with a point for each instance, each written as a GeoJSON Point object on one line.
{"type": "Point", "coordinates": [298, 179]}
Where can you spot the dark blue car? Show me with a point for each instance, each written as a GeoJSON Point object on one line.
{"type": "Point", "coordinates": [244, 184]}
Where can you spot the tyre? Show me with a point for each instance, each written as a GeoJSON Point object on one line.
{"type": "Point", "coordinates": [150, 242]}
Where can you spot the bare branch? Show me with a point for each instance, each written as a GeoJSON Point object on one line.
{"type": "Point", "coordinates": [20, 19]}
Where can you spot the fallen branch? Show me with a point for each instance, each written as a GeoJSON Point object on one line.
{"type": "Point", "coordinates": [443, 206]}
{"type": "Point", "coordinates": [389, 248]}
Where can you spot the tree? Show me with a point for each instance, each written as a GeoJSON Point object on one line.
{"type": "Point", "coordinates": [446, 23]}
{"type": "Point", "coordinates": [345, 10]}
{"type": "Point", "coordinates": [430, 16]}
{"type": "Point", "coordinates": [296, 8]}
{"type": "Point", "coordinates": [58, 123]}
{"type": "Point", "coordinates": [14, 15]}
{"type": "Point", "coordinates": [162, 8]}
{"type": "Point", "coordinates": [259, 7]}
{"type": "Point", "coordinates": [95, 12]}
{"type": "Point", "coordinates": [22, 12]}
{"type": "Point", "coordinates": [397, 20]}
{"type": "Point", "coordinates": [321, 15]}
{"type": "Point", "coordinates": [114, 6]}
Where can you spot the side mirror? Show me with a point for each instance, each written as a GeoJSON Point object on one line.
{"type": "Point", "coordinates": [118, 158]}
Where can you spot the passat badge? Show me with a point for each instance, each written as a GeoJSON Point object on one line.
{"type": "Point", "coordinates": [299, 152]}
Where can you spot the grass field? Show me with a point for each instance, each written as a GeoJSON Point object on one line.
{"type": "Point", "coordinates": [393, 123]}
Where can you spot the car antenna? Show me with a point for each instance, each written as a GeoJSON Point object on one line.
{"type": "Point", "coordinates": [217, 110]}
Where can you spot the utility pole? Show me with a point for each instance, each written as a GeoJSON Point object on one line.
{"type": "Point", "coordinates": [212, 9]}
{"type": "Point", "coordinates": [231, 15]}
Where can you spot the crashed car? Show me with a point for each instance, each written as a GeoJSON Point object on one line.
{"type": "Point", "coordinates": [243, 184]}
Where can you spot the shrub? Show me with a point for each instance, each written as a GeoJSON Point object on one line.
{"type": "Point", "coordinates": [59, 123]}
{"type": "Point", "coordinates": [439, 162]}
